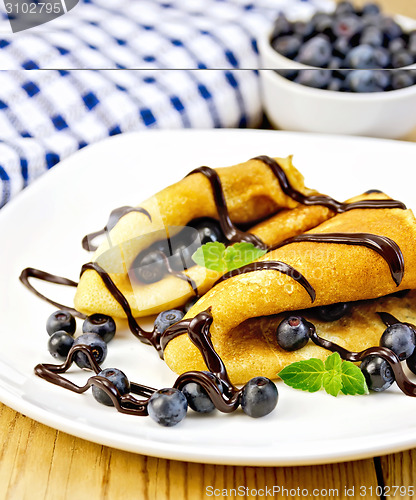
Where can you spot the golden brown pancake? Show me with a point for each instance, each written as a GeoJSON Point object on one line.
{"type": "Point", "coordinates": [337, 272]}
{"type": "Point", "coordinates": [252, 192]}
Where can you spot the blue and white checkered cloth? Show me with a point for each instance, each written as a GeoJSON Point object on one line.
{"type": "Point", "coordinates": [174, 46]}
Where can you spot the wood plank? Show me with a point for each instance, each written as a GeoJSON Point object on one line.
{"type": "Point", "coordinates": [399, 469]}
{"type": "Point", "coordinates": [37, 462]}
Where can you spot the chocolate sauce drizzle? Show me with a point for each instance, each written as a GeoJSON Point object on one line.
{"type": "Point", "coordinates": [384, 246]}
{"type": "Point", "coordinates": [149, 338]}
{"type": "Point", "coordinates": [405, 385]}
{"type": "Point", "coordinates": [272, 265]}
{"type": "Point", "coordinates": [224, 395]}
{"type": "Point", "coordinates": [225, 400]}
{"type": "Point", "coordinates": [177, 274]}
{"type": "Point", "coordinates": [231, 232]}
{"type": "Point", "coordinates": [322, 199]}
{"type": "Point", "coordinates": [31, 272]}
{"type": "Point", "coordinates": [124, 403]}
{"type": "Point", "coordinates": [113, 219]}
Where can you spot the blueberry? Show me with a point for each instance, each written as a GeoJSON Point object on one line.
{"type": "Point", "coordinates": [59, 344]}
{"type": "Point", "coordinates": [118, 378]}
{"type": "Point", "coordinates": [372, 36]}
{"type": "Point", "coordinates": [347, 26]}
{"type": "Point", "coordinates": [61, 320]}
{"type": "Point", "coordinates": [198, 398]}
{"type": "Point", "coordinates": [281, 27]}
{"type": "Point", "coordinates": [304, 30]}
{"type": "Point", "coordinates": [335, 85]}
{"type": "Point", "coordinates": [401, 79]}
{"type": "Point", "coordinates": [315, 52]}
{"type": "Point", "coordinates": [335, 63]}
{"type": "Point", "coordinates": [323, 24]}
{"type": "Point", "coordinates": [149, 267]}
{"type": "Point", "coordinates": [333, 312]}
{"type": "Point", "coordinates": [182, 252]}
{"type": "Point", "coordinates": [259, 397]}
{"type": "Point", "coordinates": [370, 9]}
{"type": "Point", "coordinates": [190, 303]}
{"type": "Point", "coordinates": [341, 47]}
{"type": "Point", "coordinates": [377, 372]}
{"type": "Point", "coordinates": [412, 43]}
{"type": "Point", "coordinates": [390, 28]}
{"type": "Point", "coordinates": [209, 230]}
{"type": "Point", "coordinates": [344, 8]}
{"type": "Point", "coordinates": [292, 333]}
{"type": "Point", "coordinates": [383, 79]}
{"type": "Point", "coordinates": [396, 45]}
{"type": "Point", "coordinates": [400, 338]}
{"type": "Point", "coordinates": [167, 318]}
{"type": "Point", "coordinates": [290, 74]}
{"type": "Point", "coordinates": [167, 407]}
{"type": "Point", "coordinates": [287, 46]}
{"type": "Point", "coordinates": [383, 58]}
{"type": "Point", "coordinates": [372, 20]}
{"type": "Point", "coordinates": [401, 59]}
{"type": "Point", "coordinates": [362, 81]}
{"type": "Point", "coordinates": [366, 57]}
{"type": "Point", "coordinates": [317, 78]}
{"type": "Point", "coordinates": [102, 325]}
{"type": "Point", "coordinates": [97, 346]}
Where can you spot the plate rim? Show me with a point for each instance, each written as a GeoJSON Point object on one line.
{"type": "Point", "coordinates": [185, 454]}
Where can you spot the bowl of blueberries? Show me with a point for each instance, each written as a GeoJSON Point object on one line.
{"type": "Point", "coordinates": [349, 71]}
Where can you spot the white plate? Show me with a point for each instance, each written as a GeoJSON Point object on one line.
{"type": "Point", "coordinates": [43, 228]}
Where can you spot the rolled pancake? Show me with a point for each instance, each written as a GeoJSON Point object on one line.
{"type": "Point", "coordinates": [337, 272]}
{"type": "Point", "coordinates": [252, 192]}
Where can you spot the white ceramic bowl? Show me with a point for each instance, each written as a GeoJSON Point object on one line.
{"type": "Point", "coordinates": [293, 106]}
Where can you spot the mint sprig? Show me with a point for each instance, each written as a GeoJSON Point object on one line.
{"type": "Point", "coordinates": [217, 257]}
{"type": "Point", "coordinates": [334, 376]}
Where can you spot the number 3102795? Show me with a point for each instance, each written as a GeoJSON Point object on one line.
{"type": "Point", "coordinates": [34, 8]}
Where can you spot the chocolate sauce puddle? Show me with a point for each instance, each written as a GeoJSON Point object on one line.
{"type": "Point", "coordinates": [386, 247]}
{"type": "Point", "coordinates": [113, 219]}
{"type": "Point", "coordinates": [322, 199]}
{"type": "Point", "coordinates": [405, 385]}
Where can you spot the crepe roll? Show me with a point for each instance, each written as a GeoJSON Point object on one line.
{"type": "Point", "coordinates": [247, 307]}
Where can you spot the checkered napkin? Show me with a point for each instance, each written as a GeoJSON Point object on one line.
{"type": "Point", "coordinates": [174, 45]}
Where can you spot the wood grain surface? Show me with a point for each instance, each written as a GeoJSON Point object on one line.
{"type": "Point", "coordinates": [38, 462]}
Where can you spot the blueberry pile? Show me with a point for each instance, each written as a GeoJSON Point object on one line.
{"type": "Point", "coordinates": [166, 406]}
{"type": "Point", "coordinates": [353, 47]}
{"type": "Point", "coordinates": [98, 330]}
{"type": "Point", "coordinates": [293, 333]}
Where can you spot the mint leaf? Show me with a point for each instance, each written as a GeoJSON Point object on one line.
{"type": "Point", "coordinates": [305, 375]}
{"type": "Point", "coordinates": [217, 257]}
{"type": "Point", "coordinates": [332, 378]}
{"type": "Point", "coordinates": [240, 254]}
{"type": "Point", "coordinates": [211, 256]}
{"type": "Point", "coordinates": [353, 380]}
